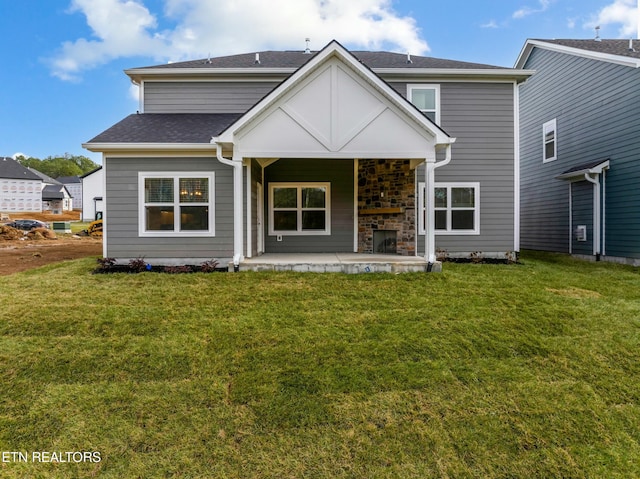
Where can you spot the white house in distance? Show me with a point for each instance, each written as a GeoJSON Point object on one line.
{"type": "Point", "coordinates": [92, 193]}
{"type": "Point", "coordinates": [74, 187]}
{"type": "Point", "coordinates": [20, 188]}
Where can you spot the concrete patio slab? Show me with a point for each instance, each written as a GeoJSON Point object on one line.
{"type": "Point", "coordinates": [350, 263]}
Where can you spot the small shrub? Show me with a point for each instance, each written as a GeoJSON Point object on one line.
{"type": "Point", "coordinates": [209, 266]}
{"type": "Point", "coordinates": [106, 263]}
{"type": "Point", "coordinates": [138, 265]}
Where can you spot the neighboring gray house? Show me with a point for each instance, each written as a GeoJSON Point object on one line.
{"type": "Point", "coordinates": [325, 152]}
{"type": "Point", "coordinates": [74, 187]}
{"type": "Point", "coordinates": [20, 188]}
{"type": "Point", "coordinates": [92, 192]}
{"type": "Point", "coordinates": [580, 148]}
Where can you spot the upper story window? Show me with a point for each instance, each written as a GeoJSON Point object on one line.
{"type": "Point", "coordinates": [549, 141]}
{"type": "Point", "coordinates": [426, 98]}
{"type": "Point", "coordinates": [176, 204]}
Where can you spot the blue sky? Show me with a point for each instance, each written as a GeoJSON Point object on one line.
{"type": "Point", "coordinates": [62, 79]}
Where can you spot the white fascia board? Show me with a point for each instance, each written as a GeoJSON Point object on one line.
{"type": "Point", "coordinates": [138, 74]}
{"type": "Point", "coordinates": [579, 52]}
{"type": "Point", "coordinates": [107, 147]}
{"type": "Point", "coordinates": [497, 75]}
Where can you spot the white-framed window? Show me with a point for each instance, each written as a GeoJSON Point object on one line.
{"type": "Point", "coordinates": [299, 208]}
{"type": "Point", "coordinates": [456, 208]}
{"type": "Point", "coordinates": [549, 141]}
{"type": "Point", "coordinates": [426, 97]}
{"type": "Point", "coordinates": [176, 204]}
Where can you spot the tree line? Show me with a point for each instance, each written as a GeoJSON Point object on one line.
{"type": "Point", "coordinates": [57, 166]}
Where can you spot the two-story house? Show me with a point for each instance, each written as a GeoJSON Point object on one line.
{"type": "Point", "coordinates": [314, 152]}
{"type": "Point", "coordinates": [580, 148]}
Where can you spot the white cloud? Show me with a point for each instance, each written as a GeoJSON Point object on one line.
{"type": "Point", "coordinates": [489, 24]}
{"type": "Point", "coordinates": [125, 28]}
{"type": "Point", "coordinates": [526, 11]}
{"type": "Point", "coordinates": [624, 13]}
{"type": "Point", "coordinates": [19, 153]}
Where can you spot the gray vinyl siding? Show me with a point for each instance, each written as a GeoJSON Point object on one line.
{"type": "Point", "coordinates": [582, 214]}
{"type": "Point", "coordinates": [337, 172]}
{"type": "Point", "coordinates": [203, 97]}
{"type": "Point", "coordinates": [596, 107]}
{"type": "Point", "coordinates": [481, 117]}
{"type": "Point", "coordinates": [122, 206]}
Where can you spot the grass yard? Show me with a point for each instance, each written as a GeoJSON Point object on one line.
{"type": "Point", "coordinates": [484, 371]}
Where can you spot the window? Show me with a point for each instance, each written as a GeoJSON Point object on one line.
{"type": "Point", "coordinates": [427, 99]}
{"type": "Point", "coordinates": [456, 208]}
{"type": "Point", "coordinates": [550, 141]}
{"type": "Point", "coordinates": [299, 209]}
{"type": "Point", "coordinates": [176, 204]}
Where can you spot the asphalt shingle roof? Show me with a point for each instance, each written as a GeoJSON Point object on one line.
{"type": "Point", "coordinates": [167, 128]}
{"type": "Point", "coordinates": [10, 168]}
{"type": "Point", "coordinates": [295, 59]}
{"type": "Point", "coordinates": [611, 47]}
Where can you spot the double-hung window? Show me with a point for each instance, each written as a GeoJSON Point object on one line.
{"type": "Point", "coordinates": [299, 209]}
{"type": "Point", "coordinates": [426, 98]}
{"type": "Point", "coordinates": [549, 141]}
{"type": "Point", "coordinates": [456, 208]}
{"type": "Point", "coordinates": [176, 204]}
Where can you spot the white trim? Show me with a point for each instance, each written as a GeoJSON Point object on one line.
{"type": "Point", "coordinates": [299, 209]}
{"type": "Point", "coordinates": [123, 147]}
{"type": "Point", "coordinates": [426, 86]}
{"type": "Point", "coordinates": [449, 209]}
{"type": "Point", "coordinates": [356, 219]}
{"type": "Point", "coordinates": [516, 167]}
{"type": "Point", "coordinates": [248, 210]}
{"type": "Point", "coordinates": [176, 233]}
{"type": "Point", "coordinates": [551, 125]}
{"type": "Point", "coordinates": [105, 213]}
{"type": "Point", "coordinates": [579, 52]}
{"type": "Point", "coordinates": [332, 50]}
{"type": "Point", "coordinates": [420, 194]}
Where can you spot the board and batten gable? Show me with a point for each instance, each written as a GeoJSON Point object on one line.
{"type": "Point", "coordinates": [481, 117]}
{"type": "Point", "coordinates": [203, 97]}
{"type": "Point", "coordinates": [122, 206]}
{"type": "Point", "coordinates": [597, 112]}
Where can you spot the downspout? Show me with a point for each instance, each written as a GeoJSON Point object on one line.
{"type": "Point", "coordinates": [596, 213]}
{"type": "Point", "coordinates": [237, 204]}
{"type": "Point", "coordinates": [430, 239]}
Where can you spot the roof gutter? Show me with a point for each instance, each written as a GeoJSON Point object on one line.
{"type": "Point", "coordinates": [238, 218]}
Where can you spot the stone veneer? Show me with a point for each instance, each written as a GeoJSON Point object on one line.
{"type": "Point", "coordinates": [384, 184]}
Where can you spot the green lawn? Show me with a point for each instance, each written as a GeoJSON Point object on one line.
{"type": "Point", "coordinates": [505, 371]}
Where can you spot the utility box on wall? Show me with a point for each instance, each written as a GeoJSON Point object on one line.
{"type": "Point", "coordinates": [580, 233]}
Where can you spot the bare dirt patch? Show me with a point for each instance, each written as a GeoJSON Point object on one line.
{"type": "Point", "coordinates": [33, 251]}
{"type": "Point", "coordinates": [19, 255]}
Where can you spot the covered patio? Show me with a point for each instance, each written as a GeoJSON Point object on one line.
{"type": "Point", "coordinates": [350, 263]}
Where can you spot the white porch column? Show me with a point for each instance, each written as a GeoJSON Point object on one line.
{"type": "Point", "coordinates": [238, 210]}
{"type": "Point", "coordinates": [430, 219]}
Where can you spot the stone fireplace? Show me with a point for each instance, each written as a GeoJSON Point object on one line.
{"type": "Point", "coordinates": [386, 202]}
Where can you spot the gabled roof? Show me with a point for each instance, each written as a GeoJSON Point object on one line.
{"type": "Point", "coordinates": [164, 128]}
{"type": "Point", "coordinates": [283, 63]}
{"type": "Point", "coordinates": [623, 52]}
{"type": "Point", "coordinates": [55, 192]}
{"type": "Point", "coordinates": [11, 169]}
{"type": "Point", "coordinates": [335, 49]}
{"type": "Point", "coordinates": [95, 170]}
{"type": "Point", "coordinates": [591, 168]}
{"type": "Point", "coordinates": [69, 180]}
{"type": "Point", "coordinates": [44, 178]}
